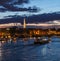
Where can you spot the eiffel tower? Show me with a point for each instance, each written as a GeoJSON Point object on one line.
{"type": "Point", "coordinates": [24, 24]}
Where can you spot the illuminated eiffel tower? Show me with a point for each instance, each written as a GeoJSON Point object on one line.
{"type": "Point", "coordinates": [24, 24]}
{"type": "Point", "coordinates": [24, 28]}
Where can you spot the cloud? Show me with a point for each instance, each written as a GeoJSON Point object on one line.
{"type": "Point", "coordinates": [3, 9]}
{"type": "Point", "coordinates": [55, 22]}
{"type": "Point", "coordinates": [13, 8]}
{"type": "Point", "coordinates": [10, 5]}
{"type": "Point", "coordinates": [50, 18]}
{"type": "Point", "coordinates": [21, 1]}
{"type": "Point", "coordinates": [13, 1]}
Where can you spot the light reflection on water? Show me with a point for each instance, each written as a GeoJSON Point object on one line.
{"type": "Point", "coordinates": [0, 52]}
{"type": "Point", "coordinates": [25, 50]}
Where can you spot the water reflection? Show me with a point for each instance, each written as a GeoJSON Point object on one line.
{"type": "Point", "coordinates": [25, 50]}
{"type": "Point", "coordinates": [44, 50]}
{"type": "Point", "coordinates": [0, 51]}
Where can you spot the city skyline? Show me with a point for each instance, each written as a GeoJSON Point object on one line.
{"type": "Point", "coordinates": [50, 24]}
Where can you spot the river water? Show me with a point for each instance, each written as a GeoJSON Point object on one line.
{"type": "Point", "coordinates": [21, 50]}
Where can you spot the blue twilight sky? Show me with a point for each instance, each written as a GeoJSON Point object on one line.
{"type": "Point", "coordinates": [46, 6]}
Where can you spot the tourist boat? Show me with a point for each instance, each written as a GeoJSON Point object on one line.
{"type": "Point", "coordinates": [42, 41]}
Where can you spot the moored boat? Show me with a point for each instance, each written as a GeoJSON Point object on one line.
{"type": "Point", "coordinates": [42, 41]}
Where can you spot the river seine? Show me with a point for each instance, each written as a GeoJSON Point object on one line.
{"type": "Point", "coordinates": [25, 50]}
